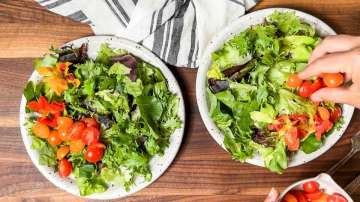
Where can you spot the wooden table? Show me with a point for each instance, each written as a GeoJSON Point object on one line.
{"type": "Point", "coordinates": [202, 171]}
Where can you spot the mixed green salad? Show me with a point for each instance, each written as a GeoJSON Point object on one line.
{"type": "Point", "coordinates": [99, 121]}
{"type": "Point", "coordinates": [252, 102]}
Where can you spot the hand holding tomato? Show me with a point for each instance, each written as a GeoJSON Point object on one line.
{"type": "Point", "coordinates": [336, 60]}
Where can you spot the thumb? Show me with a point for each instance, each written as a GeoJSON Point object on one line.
{"type": "Point", "coordinates": [338, 95]}
{"type": "Point", "coordinates": [272, 196]}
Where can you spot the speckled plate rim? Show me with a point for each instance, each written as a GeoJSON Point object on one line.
{"type": "Point", "coordinates": [158, 164]}
{"type": "Point", "coordinates": [217, 42]}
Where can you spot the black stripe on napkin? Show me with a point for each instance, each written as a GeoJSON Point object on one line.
{"type": "Point", "coordinates": [115, 13]}
{"type": "Point", "coordinates": [56, 4]}
{"type": "Point", "coordinates": [193, 37]}
{"type": "Point", "coordinates": [176, 33]}
{"type": "Point", "coordinates": [121, 10]}
{"type": "Point", "coordinates": [237, 2]}
{"type": "Point", "coordinates": [168, 25]}
{"type": "Point", "coordinates": [159, 33]}
{"type": "Point", "coordinates": [78, 16]}
{"type": "Point", "coordinates": [43, 1]}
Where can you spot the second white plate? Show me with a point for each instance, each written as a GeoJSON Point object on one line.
{"type": "Point", "coordinates": [229, 32]}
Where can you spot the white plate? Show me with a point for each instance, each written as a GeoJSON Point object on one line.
{"type": "Point", "coordinates": [325, 181]}
{"type": "Point", "coordinates": [158, 164]}
{"type": "Point", "coordinates": [218, 41]}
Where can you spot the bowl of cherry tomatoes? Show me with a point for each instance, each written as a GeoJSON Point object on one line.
{"type": "Point", "coordinates": [321, 188]}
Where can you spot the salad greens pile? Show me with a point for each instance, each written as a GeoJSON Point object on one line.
{"type": "Point", "coordinates": [247, 88]}
{"type": "Point", "coordinates": [127, 96]}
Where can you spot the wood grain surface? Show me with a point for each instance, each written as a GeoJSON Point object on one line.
{"type": "Point", "coordinates": [202, 171]}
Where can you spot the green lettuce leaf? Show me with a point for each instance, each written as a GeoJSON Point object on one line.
{"type": "Point", "coordinates": [275, 159]}
{"type": "Point", "coordinates": [310, 144]}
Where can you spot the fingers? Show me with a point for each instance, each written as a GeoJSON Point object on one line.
{"type": "Point", "coordinates": [337, 62]}
{"type": "Point", "coordinates": [338, 95]}
{"type": "Point", "coordinates": [272, 196]}
{"type": "Point", "coordinates": [334, 43]}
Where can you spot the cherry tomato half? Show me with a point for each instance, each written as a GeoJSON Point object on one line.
{"type": "Point", "coordinates": [333, 80]}
{"type": "Point", "coordinates": [289, 198]}
{"type": "Point", "coordinates": [74, 132]}
{"type": "Point", "coordinates": [291, 139]}
{"type": "Point", "coordinates": [336, 198]}
{"type": "Point", "coordinates": [311, 187]}
{"type": "Point", "coordinates": [64, 122]}
{"type": "Point", "coordinates": [41, 130]}
{"type": "Point", "coordinates": [335, 114]}
{"type": "Point", "coordinates": [64, 168]}
{"type": "Point", "coordinates": [63, 135]}
{"type": "Point", "coordinates": [90, 135]}
{"type": "Point", "coordinates": [314, 195]}
{"type": "Point", "coordinates": [323, 113]}
{"type": "Point", "coordinates": [300, 195]}
{"type": "Point", "coordinates": [294, 81]}
{"type": "Point", "coordinates": [62, 152]}
{"type": "Point", "coordinates": [76, 146]}
{"type": "Point", "coordinates": [93, 154]}
{"type": "Point", "coordinates": [305, 89]}
{"type": "Point", "coordinates": [90, 122]}
{"type": "Point", "coordinates": [54, 138]}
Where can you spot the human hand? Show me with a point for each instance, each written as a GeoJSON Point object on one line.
{"type": "Point", "coordinates": [338, 53]}
{"type": "Point", "coordinates": [272, 196]}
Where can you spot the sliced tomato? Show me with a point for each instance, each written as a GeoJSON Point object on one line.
{"type": "Point", "coordinates": [294, 81]}
{"type": "Point", "coordinates": [289, 198]}
{"type": "Point", "coordinates": [41, 130]}
{"type": "Point", "coordinates": [62, 152]}
{"type": "Point", "coordinates": [321, 126]}
{"type": "Point", "coordinates": [292, 139]}
{"type": "Point", "coordinates": [75, 130]}
{"type": "Point", "coordinates": [335, 114]}
{"type": "Point", "coordinates": [300, 196]}
{"type": "Point", "coordinates": [323, 113]}
{"type": "Point", "coordinates": [63, 135]}
{"type": "Point", "coordinates": [64, 122]}
{"type": "Point", "coordinates": [311, 186]}
{"type": "Point", "coordinates": [275, 127]}
{"type": "Point", "coordinates": [91, 122]}
{"type": "Point", "coordinates": [93, 154]}
{"type": "Point", "coordinates": [302, 133]}
{"type": "Point", "coordinates": [298, 118]}
{"type": "Point", "coordinates": [314, 196]}
{"type": "Point", "coordinates": [323, 198]}
{"type": "Point", "coordinates": [336, 197]}
{"type": "Point", "coordinates": [76, 146]}
{"type": "Point", "coordinates": [54, 138]}
{"type": "Point", "coordinates": [99, 144]}
{"type": "Point", "coordinates": [65, 168]}
{"type": "Point", "coordinates": [90, 135]}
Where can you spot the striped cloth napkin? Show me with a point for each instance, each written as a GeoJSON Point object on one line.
{"type": "Point", "coordinates": [177, 31]}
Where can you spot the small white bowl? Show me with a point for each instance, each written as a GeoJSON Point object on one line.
{"type": "Point", "coordinates": [158, 164]}
{"type": "Point", "coordinates": [229, 32]}
{"type": "Point", "coordinates": [325, 181]}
